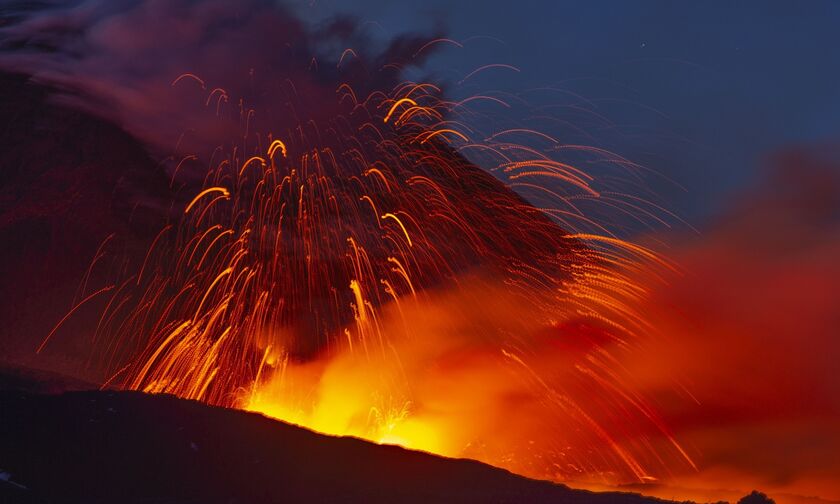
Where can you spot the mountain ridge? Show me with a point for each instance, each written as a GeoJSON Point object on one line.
{"type": "Point", "coordinates": [131, 447]}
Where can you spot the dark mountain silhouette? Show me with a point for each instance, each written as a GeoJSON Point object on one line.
{"type": "Point", "coordinates": [130, 447]}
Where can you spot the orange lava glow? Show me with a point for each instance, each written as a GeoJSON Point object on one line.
{"type": "Point", "coordinates": [452, 382]}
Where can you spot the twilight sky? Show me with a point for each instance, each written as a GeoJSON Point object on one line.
{"type": "Point", "coordinates": [698, 91]}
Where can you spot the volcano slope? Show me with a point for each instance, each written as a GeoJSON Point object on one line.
{"type": "Point", "coordinates": [130, 447]}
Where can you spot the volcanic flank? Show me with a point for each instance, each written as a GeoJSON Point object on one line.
{"type": "Point", "coordinates": [131, 447]}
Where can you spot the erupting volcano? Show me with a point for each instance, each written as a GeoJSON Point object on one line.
{"type": "Point", "coordinates": [358, 276]}
{"type": "Point", "coordinates": [331, 242]}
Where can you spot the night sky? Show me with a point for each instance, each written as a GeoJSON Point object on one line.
{"type": "Point", "coordinates": [701, 92]}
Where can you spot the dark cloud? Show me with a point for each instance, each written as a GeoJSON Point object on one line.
{"type": "Point", "coordinates": [119, 59]}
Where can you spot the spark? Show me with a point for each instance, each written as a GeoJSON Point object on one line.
{"type": "Point", "coordinates": [224, 192]}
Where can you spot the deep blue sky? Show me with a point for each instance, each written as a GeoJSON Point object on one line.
{"type": "Point", "coordinates": [700, 91]}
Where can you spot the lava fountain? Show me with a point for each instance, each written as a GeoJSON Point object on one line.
{"type": "Point", "coordinates": [378, 274]}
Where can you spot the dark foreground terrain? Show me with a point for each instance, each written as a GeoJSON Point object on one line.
{"type": "Point", "coordinates": [128, 447]}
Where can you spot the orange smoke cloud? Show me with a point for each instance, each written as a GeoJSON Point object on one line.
{"type": "Point", "coordinates": [751, 331]}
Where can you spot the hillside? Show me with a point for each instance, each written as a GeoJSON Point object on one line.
{"type": "Point", "coordinates": [130, 447]}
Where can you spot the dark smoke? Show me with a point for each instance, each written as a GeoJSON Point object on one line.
{"type": "Point", "coordinates": [118, 59]}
